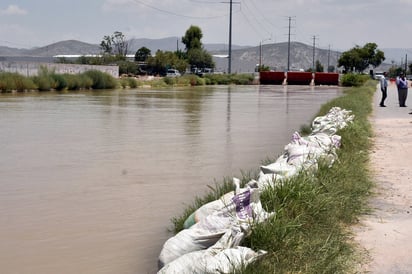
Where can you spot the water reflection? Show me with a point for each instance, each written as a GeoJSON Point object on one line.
{"type": "Point", "coordinates": [90, 180]}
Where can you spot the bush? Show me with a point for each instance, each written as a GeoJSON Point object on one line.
{"type": "Point", "coordinates": [85, 81]}
{"type": "Point", "coordinates": [218, 79]}
{"type": "Point", "coordinates": [353, 80]}
{"type": "Point", "coordinates": [13, 81]}
{"type": "Point", "coordinates": [227, 79]}
{"type": "Point", "coordinates": [59, 81]}
{"type": "Point", "coordinates": [44, 82]}
{"type": "Point", "coordinates": [170, 80]}
{"type": "Point", "coordinates": [72, 81]}
{"type": "Point", "coordinates": [132, 82]}
{"type": "Point", "coordinates": [123, 83]}
{"type": "Point", "coordinates": [100, 80]}
{"type": "Point", "coordinates": [192, 80]}
{"type": "Point", "coordinates": [242, 79]}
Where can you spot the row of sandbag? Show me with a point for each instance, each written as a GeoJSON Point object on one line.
{"type": "Point", "coordinates": [212, 235]}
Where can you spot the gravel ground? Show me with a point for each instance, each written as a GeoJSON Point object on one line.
{"type": "Point", "coordinates": [386, 234]}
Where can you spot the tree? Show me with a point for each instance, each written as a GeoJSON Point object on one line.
{"type": "Point", "coordinates": [106, 44]}
{"type": "Point", "coordinates": [142, 54]}
{"type": "Point", "coordinates": [164, 60]}
{"type": "Point", "coordinates": [115, 44]}
{"type": "Point", "coordinates": [121, 45]}
{"type": "Point", "coordinates": [318, 66]}
{"type": "Point", "coordinates": [358, 59]}
{"type": "Point", "coordinates": [192, 38]}
{"type": "Point", "coordinates": [197, 56]}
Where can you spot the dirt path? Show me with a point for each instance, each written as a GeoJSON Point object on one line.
{"type": "Point", "coordinates": [387, 232]}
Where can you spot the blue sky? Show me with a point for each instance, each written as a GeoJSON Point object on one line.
{"type": "Point", "coordinates": [340, 24]}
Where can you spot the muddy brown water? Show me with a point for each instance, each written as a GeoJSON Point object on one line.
{"type": "Point", "coordinates": [89, 181]}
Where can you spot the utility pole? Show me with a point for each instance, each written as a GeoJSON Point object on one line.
{"type": "Point", "coordinates": [260, 55]}
{"type": "Point", "coordinates": [290, 18]}
{"type": "Point", "coordinates": [328, 59]}
{"type": "Point", "coordinates": [313, 57]}
{"type": "Point", "coordinates": [229, 69]}
{"type": "Point", "coordinates": [406, 63]}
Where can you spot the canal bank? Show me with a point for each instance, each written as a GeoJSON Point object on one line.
{"type": "Point", "coordinates": [311, 231]}
{"type": "Point", "coordinates": [385, 233]}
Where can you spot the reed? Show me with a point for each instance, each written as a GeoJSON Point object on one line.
{"type": "Point", "coordinates": [101, 80]}
{"type": "Point", "coordinates": [15, 82]}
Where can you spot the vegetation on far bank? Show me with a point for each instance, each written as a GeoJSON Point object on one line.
{"type": "Point", "coordinates": [310, 232]}
{"type": "Point", "coordinates": [93, 79]}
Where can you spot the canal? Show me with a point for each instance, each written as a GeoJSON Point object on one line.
{"type": "Point", "coordinates": [90, 180]}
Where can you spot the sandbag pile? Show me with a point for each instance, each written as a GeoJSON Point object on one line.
{"type": "Point", "coordinates": [304, 153]}
{"type": "Point", "coordinates": [216, 235]}
{"type": "Point", "coordinates": [210, 242]}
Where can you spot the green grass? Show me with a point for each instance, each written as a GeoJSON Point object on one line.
{"type": "Point", "coordinates": [310, 230]}
{"type": "Point", "coordinates": [49, 80]}
{"type": "Point", "coordinates": [94, 79]}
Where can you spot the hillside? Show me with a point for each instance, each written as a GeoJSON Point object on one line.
{"type": "Point", "coordinates": [244, 58]}
{"type": "Point", "coordinates": [276, 57]}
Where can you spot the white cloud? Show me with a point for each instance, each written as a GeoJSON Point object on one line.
{"type": "Point", "coordinates": [13, 10]}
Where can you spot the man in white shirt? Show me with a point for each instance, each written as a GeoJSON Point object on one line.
{"type": "Point", "coordinates": [384, 89]}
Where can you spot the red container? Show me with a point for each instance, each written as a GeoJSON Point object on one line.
{"type": "Point", "coordinates": [326, 78]}
{"type": "Point", "coordinates": [271, 77]}
{"type": "Point", "coordinates": [299, 78]}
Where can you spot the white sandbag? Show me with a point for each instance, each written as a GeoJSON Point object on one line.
{"type": "Point", "coordinates": [223, 257]}
{"type": "Point", "coordinates": [280, 167]}
{"type": "Point", "coordinates": [299, 154]}
{"type": "Point", "coordinates": [200, 236]}
{"type": "Point", "coordinates": [212, 261]}
{"type": "Point", "coordinates": [214, 206]}
{"type": "Point", "coordinates": [208, 209]}
{"type": "Point", "coordinates": [244, 210]}
{"type": "Point", "coordinates": [269, 179]}
{"type": "Point", "coordinates": [334, 120]}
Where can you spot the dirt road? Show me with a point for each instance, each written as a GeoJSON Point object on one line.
{"type": "Point", "coordinates": [387, 232]}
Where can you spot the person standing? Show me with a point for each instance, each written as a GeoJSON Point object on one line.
{"type": "Point", "coordinates": [384, 89]}
{"type": "Point", "coordinates": [402, 85]}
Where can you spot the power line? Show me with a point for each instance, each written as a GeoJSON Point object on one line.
{"type": "Point", "coordinates": [253, 14]}
{"type": "Point", "coordinates": [177, 14]}
{"type": "Point", "coordinates": [250, 24]}
{"type": "Point", "coordinates": [261, 15]}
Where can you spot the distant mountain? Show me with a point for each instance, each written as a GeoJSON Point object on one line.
{"type": "Point", "coordinates": [72, 47]}
{"type": "Point", "coordinates": [65, 47]}
{"type": "Point", "coordinates": [244, 58]}
{"type": "Point", "coordinates": [171, 43]}
{"type": "Point", "coordinates": [6, 51]}
{"type": "Point", "coordinates": [276, 57]}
